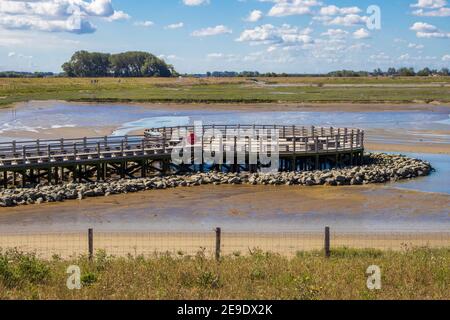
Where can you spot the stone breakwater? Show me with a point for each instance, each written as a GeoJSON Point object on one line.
{"type": "Point", "coordinates": [379, 168]}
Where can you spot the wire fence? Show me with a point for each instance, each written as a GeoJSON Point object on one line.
{"type": "Point", "coordinates": [214, 243]}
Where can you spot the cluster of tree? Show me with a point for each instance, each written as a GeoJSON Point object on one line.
{"type": "Point", "coordinates": [409, 72]}
{"type": "Point", "coordinates": [348, 73]}
{"type": "Point", "coordinates": [247, 74]}
{"type": "Point", "coordinates": [16, 74]}
{"type": "Point", "coordinates": [401, 72]}
{"type": "Point", "coordinates": [127, 64]}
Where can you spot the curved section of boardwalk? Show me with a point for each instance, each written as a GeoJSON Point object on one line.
{"type": "Point", "coordinates": [100, 158]}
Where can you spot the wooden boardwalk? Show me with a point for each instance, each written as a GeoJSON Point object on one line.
{"type": "Point", "coordinates": [100, 158]}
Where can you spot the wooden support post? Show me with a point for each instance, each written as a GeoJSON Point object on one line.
{"type": "Point", "coordinates": [56, 175]}
{"type": "Point", "coordinates": [235, 157]}
{"type": "Point", "coordinates": [327, 242]}
{"type": "Point", "coordinates": [24, 174]}
{"type": "Point", "coordinates": [122, 169]}
{"type": "Point", "coordinates": [5, 179]}
{"type": "Point", "coordinates": [218, 243]}
{"type": "Point", "coordinates": [144, 169]}
{"type": "Point", "coordinates": [202, 158]}
{"type": "Point", "coordinates": [91, 244]}
{"type": "Point", "coordinates": [294, 150]}
{"type": "Point", "coordinates": [50, 175]}
{"type": "Point", "coordinates": [75, 174]}
{"type": "Point", "coordinates": [99, 172]}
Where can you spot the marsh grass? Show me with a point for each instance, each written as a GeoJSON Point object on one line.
{"type": "Point", "coordinates": [410, 274]}
{"type": "Point", "coordinates": [233, 90]}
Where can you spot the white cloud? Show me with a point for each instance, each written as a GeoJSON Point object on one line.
{"type": "Point", "coordinates": [361, 34]}
{"type": "Point", "coordinates": [425, 30]}
{"type": "Point", "coordinates": [254, 16]}
{"type": "Point", "coordinates": [222, 56]}
{"type": "Point", "coordinates": [431, 8]}
{"type": "Point", "coordinates": [446, 58]}
{"type": "Point", "coordinates": [169, 57]}
{"type": "Point", "coordinates": [283, 8]}
{"type": "Point", "coordinates": [429, 4]}
{"type": "Point", "coordinates": [423, 27]}
{"type": "Point", "coordinates": [145, 24]}
{"type": "Point", "coordinates": [74, 16]}
{"type": "Point", "coordinates": [380, 57]}
{"type": "Point", "coordinates": [416, 46]}
{"type": "Point", "coordinates": [410, 59]}
{"type": "Point", "coordinates": [175, 25]}
{"type": "Point", "coordinates": [212, 31]}
{"type": "Point", "coordinates": [19, 56]}
{"type": "Point", "coordinates": [269, 34]}
{"type": "Point", "coordinates": [347, 20]}
{"type": "Point", "coordinates": [335, 33]}
{"type": "Point", "coordinates": [344, 16]}
{"type": "Point", "coordinates": [118, 15]}
{"type": "Point", "coordinates": [334, 10]}
{"type": "Point", "coordinates": [194, 3]}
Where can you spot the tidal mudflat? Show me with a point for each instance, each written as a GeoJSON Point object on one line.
{"type": "Point", "coordinates": [420, 205]}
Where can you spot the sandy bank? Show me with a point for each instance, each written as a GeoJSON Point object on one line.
{"type": "Point", "coordinates": [123, 244]}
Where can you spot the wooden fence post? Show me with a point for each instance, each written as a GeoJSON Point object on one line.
{"type": "Point", "coordinates": [218, 243]}
{"type": "Point", "coordinates": [91, 243]}
{"type": "Point", "coordinates": [327, 242]}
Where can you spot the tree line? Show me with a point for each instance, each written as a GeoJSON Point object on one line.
{"type": "Point", "coordinates": [126, 64]}
{"type": "Point", "coordinates": [18, 74]}
{"type": "Point", "coordinates": [391, 72]}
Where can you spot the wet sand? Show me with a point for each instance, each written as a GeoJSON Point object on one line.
{"type": "Point", "coordinates": [240, 208]}
{"type": "Point", "coordinates": [411, 148]}
{"type": "Point", "coordinates": [66, 133]}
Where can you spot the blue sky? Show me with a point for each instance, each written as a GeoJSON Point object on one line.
{"type": "Point", "coordinates": [296, 36]}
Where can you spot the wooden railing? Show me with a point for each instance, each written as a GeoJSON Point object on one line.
{"type": "Point", "coordinates": [161, 141]}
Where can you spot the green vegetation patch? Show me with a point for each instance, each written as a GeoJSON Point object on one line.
{"type": "Point", "coordinates": [410, 274]}
{"type": "Point", "coordinates": [238, 90]}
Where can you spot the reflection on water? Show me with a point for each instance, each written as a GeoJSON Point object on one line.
{"type": "Point", "coordinates": [154, 122]}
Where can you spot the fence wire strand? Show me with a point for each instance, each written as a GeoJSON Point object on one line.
{"type": "Point", "coordinates": [67, 245]}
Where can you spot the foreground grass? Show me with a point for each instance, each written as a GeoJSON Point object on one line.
{"type": "Point", "coordinates": [234, 90]}
{"type": "Point", "coordinates": [410, 274]}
